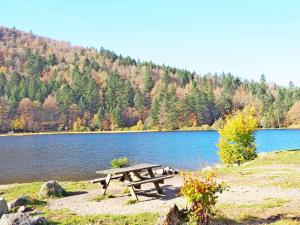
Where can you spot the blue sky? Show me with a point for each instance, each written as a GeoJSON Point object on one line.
{"type": "Point", "coordinates": [246, 38]}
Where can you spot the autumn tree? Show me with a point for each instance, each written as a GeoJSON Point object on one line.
{"type": "Point", "coordinates": [29, 111]}
{"type": "Point", "coordinates": [293, 115]}
{"type": "Point", "coordinates": [237, 140]}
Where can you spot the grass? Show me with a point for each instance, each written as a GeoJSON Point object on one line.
{"type": "Point", "coordinates": [65, 217]}
{"type": "Point", "coordinates": [269, 170]}
{"type": "Point", "coordinates": [100, 198]}
{"type": "Point", "coordinates": [280, 169]}
{"type": "Point", "coordinates": [131, 202]}
{"type": "Point", "coordinates": [286, 222]}
{"type": "Point", "coordinates": [278, 158]}
{"type": "Point", "coordinates": [126, 191]}
{"type": "Point", "coordinates": [276, 169]}
{"type": "Point", "coordinates": [267, 204]}
{"type": "Point", "coordinates": [32, 189]}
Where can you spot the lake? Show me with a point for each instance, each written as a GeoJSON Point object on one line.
{"type": "Point", "coordinates": [78, 156]}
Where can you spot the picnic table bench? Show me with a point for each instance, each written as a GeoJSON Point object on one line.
{"type": "Point", "coordinates": [132, 177]}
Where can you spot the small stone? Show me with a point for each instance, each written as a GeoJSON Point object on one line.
{"type": "Point", "coordinates": [22, 209]}
{"type": "Point", "coordinates": [20, 218]}
{"type": "Point", "coordinates": [159, 171]}
{"type": "Point", "coordinates": [16, 203]}
{"type": "Point", "coordinates": [3, 207]}
{"type": "Point", "coordinates": [51, 189]}
{"type": "Point", "coordinates": [208, 168]}
{"type": "Point", "coordinates": [176, 171]}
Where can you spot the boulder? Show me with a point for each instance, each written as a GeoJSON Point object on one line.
{"type": "Point", "coordinates": [3, 207]}
{"type": "Point", "coordinates": [171, 218]}
{"type": "Point", "coordinates": [21, 219]}
{"type": "Point", "coordinates": [16, 203]}
{"type": "Point", "coordinates": [51, 189]}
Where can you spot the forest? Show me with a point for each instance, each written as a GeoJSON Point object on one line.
{"type": "Point", "coordinates": [49, 85]}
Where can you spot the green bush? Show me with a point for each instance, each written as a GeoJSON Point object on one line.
{"type": "Point", "coordinates": [120, 162]}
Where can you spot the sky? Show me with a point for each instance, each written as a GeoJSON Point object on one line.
{"type": "Point", "coordinates": [246, 38]}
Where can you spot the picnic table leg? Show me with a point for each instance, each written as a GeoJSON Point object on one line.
{"type": "Point", "coordinates": [131, 189]}
{"type": "Point", "coordinates": [156, 184]}
{"type": "Point", "coordinates": [107, 180]}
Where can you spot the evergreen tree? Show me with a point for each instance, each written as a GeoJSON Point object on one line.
{"type": "Point", "coordinates": [149, 84]}
{"type": "Point", "coordinates": [12, 89]}
{"type": "Point", "coordinates": [64, 98]}
{"type": "Point", "coordinates": [166, 78]}
{"type": "Point", "coordinates": [154, 113]}
{"type": "Point", "coordinates": [52, 60]}
{"type": "Point", "coordinates": [139, 102]}
{"type": "Point", "coordinates": [3, 82]}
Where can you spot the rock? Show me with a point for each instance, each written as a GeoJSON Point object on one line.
{"type": "Point", "coordinates": [20, 218]}
{"type": "Point", "coordinates": [23, 209]}
{"type": "Point", "coordinates": [208, 168]}
{"type": "Point", "coordinates": [166, 171]}
{"type": "Point", "coordinates": [16, 203]}
{"type": "Point", "coordinates": [51, 189]}
{"type": "Point", "coordinates": [172, 217]}
{"type": "Point", "coordinates": [159, 171]}
{"type": "Point", "coordinates": [176, 171]}
{"type": "Point", "coordinates": [3, 207]}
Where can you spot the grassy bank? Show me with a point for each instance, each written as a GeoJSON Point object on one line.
{"type": "Point", "coordinates": [266, 190]}
{"type": "Point", "coordinates": [263, 191]}
{"type": "Point", "coordinates": [66, 217]}
{"type": "Point", "coordinates": [126, 131]}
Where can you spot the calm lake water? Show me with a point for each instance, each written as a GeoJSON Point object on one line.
{"type": "Point", "coordinates": [77, 157]}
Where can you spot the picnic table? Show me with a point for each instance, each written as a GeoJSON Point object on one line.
{"type": "Point", "coordinates": [132, 177]}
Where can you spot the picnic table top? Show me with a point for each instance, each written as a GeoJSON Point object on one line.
{"type": "Point", "coordinates": [133, 168]}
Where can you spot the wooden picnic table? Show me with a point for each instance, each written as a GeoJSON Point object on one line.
{"type": "Point", "coordinates": [132, 177]}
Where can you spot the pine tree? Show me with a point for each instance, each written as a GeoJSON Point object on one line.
{"type": "Point", "coordinates": [139, 102]}
{"type": "Point", "coordinates": [149, 84]}
{"type": "Point", "coordinates": [154, 113]}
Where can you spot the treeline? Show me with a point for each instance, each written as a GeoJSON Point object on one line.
{"type": "Point", "coordinates": [46, 85]}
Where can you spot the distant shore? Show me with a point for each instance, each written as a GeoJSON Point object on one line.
{"type": "Point", "coordinates": [120, 131]}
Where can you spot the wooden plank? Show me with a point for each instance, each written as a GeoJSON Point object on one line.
{"type": "Point", "coordinates": [156, 184]}
{"type": "Point", "coordinates": [133, 194]}
{"type": "Point", "coordinates": [102, 179]}
{"type": "Point", "coordinates": [107, 181]}
{"type": "Point", "coordinates": [134, 168]}
{"type": "Point", "coordinates": [128, 179]}
{"type": "Point", "coordinates": [149, 180]}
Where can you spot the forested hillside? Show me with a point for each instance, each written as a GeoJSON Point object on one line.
{"type": "Point", "coordinates": [51, 85]}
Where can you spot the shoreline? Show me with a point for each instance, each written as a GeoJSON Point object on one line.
{"type": "Point", "coordinates": [217, 165]}
{"type": "Point", "coordinates": [121, 132]}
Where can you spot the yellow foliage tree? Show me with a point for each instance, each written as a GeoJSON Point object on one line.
{"type": "Point", "coordinates": [18, 124]}
{"type": "Point", "coordinates": [138, 126]}
{"type": "Point", "coordinates": [77, 124]}
{"type": "Point", "coordinates": [3, 69]}
{"type": "Point", "coordinates": [237, 141]}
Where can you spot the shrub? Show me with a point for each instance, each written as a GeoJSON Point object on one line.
{"type": "Point", "coordinates": [200, 192]}
{"type": "Point", "coordinates": [138, 126]}
{"type": "Point", "coordinates": [120, 162]}
{"type": "Point", "coordinates": [237, 141]}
